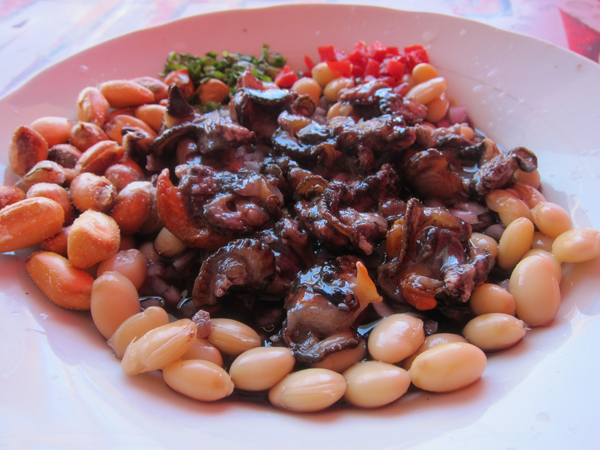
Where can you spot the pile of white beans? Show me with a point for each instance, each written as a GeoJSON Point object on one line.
{"type": "Point", "coordinates": [93, 265]}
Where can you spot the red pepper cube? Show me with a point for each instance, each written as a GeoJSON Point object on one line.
{"type": "Point", "coordinates": [286, 78]}
{"type": "Point", "coordinates": [341, 68]}
{"type": "Point", "coordinates": [372, 68]}
{"type": "Point", "coordinates": [395, 68]}
{"type": "Point", "coordinates": [309, 63]}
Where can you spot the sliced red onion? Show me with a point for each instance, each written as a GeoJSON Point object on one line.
{"type": "Point", "coordinates": [185, 260]}
{"type": "Point", "coordinates": [495, 231]}
{"type": "Point", "coordinates": [466, 216]}
{"type": "Point", "coordinates": [458, 114]}
{"type": "Point", "coordinates": [382, 309]}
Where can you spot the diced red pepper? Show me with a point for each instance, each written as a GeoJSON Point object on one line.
{"type": "Point", "coordinates": [415, 55]}
{"type": "Point", "coordinates": [309, 63]}
{"type": "Point", "coordinates": [372, 68]}
{"type": "Point", "coordinates": [327, 53]}
{"type": "Point", "coordinates": [330, 53]}
{"type": "Point", "coordinates": [342, 68]}
{"type": "Point", "coordinates": [358, 58]}
{"type": "Point", "coordinates": [395, 68]}
{"type": "Point", "coordinates": [412, 48]}
{"type": "Point", "coordinates": [286, 78]}
{"type": "Point", "coordinates": [392, 51]}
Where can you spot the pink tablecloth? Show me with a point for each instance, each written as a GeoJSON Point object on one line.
{"type": "Point", "coordinates": [38, 33]}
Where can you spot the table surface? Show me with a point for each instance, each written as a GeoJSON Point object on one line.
{"type": "Point", "coordinates": [38, 33]}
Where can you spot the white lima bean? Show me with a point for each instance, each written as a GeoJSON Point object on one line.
{"type": "Point", "coordinates": [396, 337]}
{"type": "Point", "coordinates": [374, 383]}
{"type": "Point", "coordinates": [131, 263]}
{"type": "Point", "coordinates": [232, 337]}
{"type": "Point", "coordinates": [551, 219]}
{"type": "Point", "coordinates": [480, 240]}
{"type": "Point", "coordinates": [261, 368]}
{"type": "Point", "coordinates": [577, 245]}
{"type": "Point", "coordinates": [536, 291]}
{"type": "Point", "coordinates": [198, 379]}
{"type": "Point", "coordinates": [204, 350]}
{"type": "Point", "coordinates": [491, 298]}
{"type": "Point", "coordinates": [114, 299]}
{"type": "Point", "coordinates": [431, 341]}
{"type": "Point", "coordinates": [135, 327]}
{"type": "Point", "coordinates": [515, 242]}
{"type": "Point", "coordinates": [494, 331]}
{"type": "Point", "coordinates": [448, 367]}
{"type": "Point", "coordinates": [308, 390]}
{"type": "Point", "coordinates": [159, 347]}
{"type": "Point", "coordinates": [553, 259]}
{"type": "Point", "coordinates": [340, 361]}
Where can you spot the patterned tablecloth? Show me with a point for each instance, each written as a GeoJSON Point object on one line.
{"type": "Point", "coordinates": [37, 33]}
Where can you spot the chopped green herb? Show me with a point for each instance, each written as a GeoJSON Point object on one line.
{"type": "Point", "coordinates": [227, 68]}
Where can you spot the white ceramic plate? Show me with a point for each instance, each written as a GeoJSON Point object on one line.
{"type": "Point", "coordinates": [60, 387]}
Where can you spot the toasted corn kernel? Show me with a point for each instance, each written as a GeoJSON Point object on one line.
{"type": "Point", "coordinates": [494, 331]}
{"type": "Point", "coordinates": [27, 148]}
{"type": "Point", "coordinates": [515, 242]}
{"type": "Point", "coordinates": [100, 157]}
{"type": "Point", "coordinates": [308, 390]}
{"type": "Point", "coordinates": [131, 263]}
{"type": "Point", "coordinates": [94, 237]}
{"type": "Point", "coordinates": [43, 172]}
{"type": "Point", "coordinates": [58, 242]}
{"type": "Point", "coordinates": [120, 175]}
{"type": "Point", "coordinates": [133, 206]}
{"type": "Point", "coordinates": [428, 90]}
{"type": "Point", "coordinates": [92, 106]}
{"type": "Point", "coordinates": [448, 367]}
{"type": "Point", "coordinates": [197, 379]}
{"type": "Point", "coordinates": [158, 88]}
{"type": "Point", "coordinates": [204, 350]}
{"type": "Point", "coordinates": [168, 245]}
{"type": "Point", "coordinates": [151, 115]}
{"type": "Point", "coordinates": [577, 245]}
{"type": "Point", "coordinates": [430, 342]}
{"type": "Point", "coordinates": [29, 222]}
{"type": "Point", "coordinates": [232, 337]}
{"type": "Point", "coordinates": [65, 155]}
{"type": "Point", "coordinates": [89, 191]}
{"type": "Point", "coordinates": [374, 383]}
{"type": "Point", "coordinates": [213, 91]}
{"type": "Point", "coordinates": [261, 368]}
{"type": "Point", "coordinates": [124, 93]}
{"type": "Point", "coordinates": [62, 283]}
{"type": "Point", "coordinates": [114, 127]}
{"type": "Point", "coordinates": [55, 130]}
{"type": "Point", "coordinates": [57, 193]}
{"type": "Point", "coordinates": [114, 300]}
{"type": "Point", "coordinates": [491, 298]}
{"type": "Point", "coordinates": [159, 347]}
{"type": "Point", "coordinates": [536, 291]}
{"type": "Point", "coordinates": [551, 219]}
{"type": "Point", "coordinates": [84, 135]}
{"type": "Point", "coordinates": [10, 195]}
{"type": "Point", "coordinates": [396, 337]}
{"type": "Point", "coordinates": [135, 327]}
